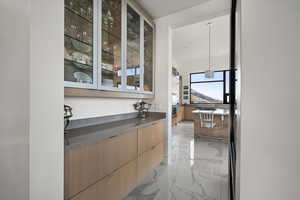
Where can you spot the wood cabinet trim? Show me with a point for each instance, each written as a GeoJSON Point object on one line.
{"type": "Point", "coordinates": [79, 92]}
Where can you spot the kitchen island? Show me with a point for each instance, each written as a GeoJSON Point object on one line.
{"type": "Point", "coordinates": [218, 127]}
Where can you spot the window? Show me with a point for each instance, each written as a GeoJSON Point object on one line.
{"type": "Point", "coordinates": [209, 90]}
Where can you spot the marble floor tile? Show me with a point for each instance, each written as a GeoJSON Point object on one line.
{"type": "Point", "coordinates": [195, 169]}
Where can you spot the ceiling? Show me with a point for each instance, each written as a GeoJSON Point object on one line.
{"type": "Point", "coordinates": [161, 8]}
{"type": "Point", "coordinates": [190, 43]}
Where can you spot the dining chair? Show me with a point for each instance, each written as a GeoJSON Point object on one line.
{"type": "Point", "coordinates": [207, 119]}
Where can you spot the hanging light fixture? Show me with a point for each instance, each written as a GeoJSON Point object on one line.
{"type": "Point", "coordinates": [209, 73]}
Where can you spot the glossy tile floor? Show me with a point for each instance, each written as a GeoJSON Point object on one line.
{"type": "Point", "coordinates": [195, 169]}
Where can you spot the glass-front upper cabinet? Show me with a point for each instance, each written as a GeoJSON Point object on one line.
{"type": "Point", "coordinates": [148, 56]}
{"type": "Point", "coordinates": [133, 67]}
{"type": "Point", "coordinates": [111, 69]}
{"type": "Point", "coordinates": [79, 69]}
{"type": "Point", "coordinates": [108, 46]}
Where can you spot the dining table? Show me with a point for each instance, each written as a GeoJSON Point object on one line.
{"type": "Point", "coordinates": [220, 112]}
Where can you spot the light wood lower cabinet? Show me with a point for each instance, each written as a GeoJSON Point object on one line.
{"type": "Point", "coordinates": [180, 114]}
{"type": "Point", "coordinates": [149, 160]}
{"type": "Point", "coordinates": [128, 178]}
{"type": "Point", "coordinates": [111, 159]}
{"type": "Point", "coordinates": [128, 147]}
{"type": "Point", "coordinates": [95, 192]}
{"type": "Point", "coordinates": [112, 168]}
{"type": "Point", "coordinates": [119, 150]}
{"type": "Point", "coordinates": [188, 115]}
{"type": "Point", "coordinates": [113, 187]}
{"type": "Point", "coordinates": [150, 137]}
{"type": "Point", "coordinates": [83, 167]}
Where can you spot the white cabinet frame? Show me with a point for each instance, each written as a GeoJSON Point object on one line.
{"type": "Point", "coordinates": [97, 51]}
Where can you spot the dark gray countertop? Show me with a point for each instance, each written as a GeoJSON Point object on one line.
{"type": "Point", "coordinates": [92, 134]}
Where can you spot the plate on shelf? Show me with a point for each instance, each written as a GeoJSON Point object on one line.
{"type": "Point", "coordinates": [82, 77]}
{"type": "Point", "coordinates": [82, 47]}
{"type": "Point", "coordinates": [108, 82]}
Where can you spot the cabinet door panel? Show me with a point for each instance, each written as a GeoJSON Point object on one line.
{"type": "Point", "coordinates": [148, 56]}
{"type": "Point", "coordinates": [144, 165]}
{"type": "Point", "coordinates": [89, 194]}
{"type": "Point", "coordinates": [111, 43]}
{"type": "Point", "coordinates": [83, 167]}
{"type": "Point", "coordinates": [157, 155]}
{"type": "Point", "coordinates": [146, 138]}
{"type": "Point", "coordinates": [128, 178]}
{"type": "Point", "coordinates": [149, 161]}
{"type": "Point", "coordinates": [150, 136]}
{"type": "Point", "coordinates": [158, 133]}
{"type": "Point", "coordinates": [95, 192]}
{"type": "Point", "coordinates": [79, 66]}
{"type": "Point", "coordinates": [128, 147]}
{"type": "Point", "coordinates": [133, 49]}
{"type": "Point", "coordinates": [113, 186]}
{"type": "Point", "coordinates": [111, 155]}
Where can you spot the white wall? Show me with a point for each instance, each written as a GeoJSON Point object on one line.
{"type": "Point", "coordinates": [221, 63]}
{"type": "Point", "coordinates": [270, 104]}
{"type": "Point", "coordinates": [14, 100]}
{"type": "Point", "coordinates": [95, 107]}
{"type": "Point", "coordinates": [191, 42]}
{"type": "Point", "coordinates": [31, 102]}
{"type": "Point", "coordinates": [46, 99]}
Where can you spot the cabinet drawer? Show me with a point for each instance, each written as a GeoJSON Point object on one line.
{"type": "Point", "coordinates": [111, 160]}
{"type": "Point", "coordinates": [88, 164]}
{"type": "Point", "coordinates": [114, 186]}
{"type": "Point", "coordinates": [128, 178]}
{"type": "Point", "coordinates": [149, 160]}
{"type": "Point", "coordinates": [150, 136]}
{"type": "Point", "coordinates": [128, 147]}
{"type": "Point", "coordinates": [95, 192]}
{"type": "Point", "coordinates": [158, 155]}
{"type": "Point", "coordinates": [83, 167]}
{"type": "Point", "coordinates": [119, 150]}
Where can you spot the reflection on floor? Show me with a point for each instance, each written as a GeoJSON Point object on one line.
{"type": "Point", "coordinates": [196, 169]}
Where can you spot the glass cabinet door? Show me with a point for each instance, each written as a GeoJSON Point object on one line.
{"type": "Point", "coordinates": [108, 45]}
{"type": "Point", "coordinates": [111, 43]}
{"type": "Point", "coordinates": [78, 52]}
{"type": "Point", "coordinates": [148, 57]}
{"type": "Point", "coordinates": [133, 49]}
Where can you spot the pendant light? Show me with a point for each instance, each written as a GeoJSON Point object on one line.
{"type": "Point", "coordinates": [209, 73]}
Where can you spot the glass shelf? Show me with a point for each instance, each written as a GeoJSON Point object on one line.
{"type": "Point", "coordinates": [112, 34]}
{"type": "Point", "coordinates": [82, 8]}
{"type": "Point", "coordinates": [78, 15]}
{"type": "Point", "coordinates": [78, 51]}
{"type": "Point", "coordinates": [80, 65]}
{"type": "Point", "coordinates": [70, 37]}
{"type": "Point", "coordinates": [76, 27]}
{"type": "Point", "coordinates": [77, 72]}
